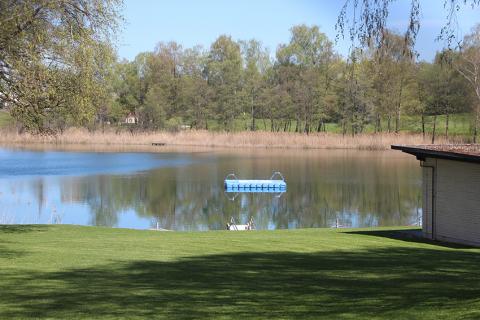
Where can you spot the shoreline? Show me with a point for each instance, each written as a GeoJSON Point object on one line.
{"type": "Point", "coordinates": [218, 140]}
{"type": "Point", "coordinates": [338, 229]}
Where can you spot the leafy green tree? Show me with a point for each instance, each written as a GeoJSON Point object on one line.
{"type": "Point", "coordinates": [196, 95]}
{"type": "Point", "coordinates": [306, 62]}
{"type": "Point", "coordinates": [468, 65]}
{"type": "Point", "coordinates": [162, 76]}
{"type": "Point", "coordinates": [152, 113]}
{"type": "Point", "coordinates": [54, 60]}
{"type": "Point", "coordinates": [444, 91]}
{"type": "Point", "coordinates": [257, 62]}
{"type": "Point", "coordinates": [391, 70]}
{"type": "Point", "coordinates": [224, 67]}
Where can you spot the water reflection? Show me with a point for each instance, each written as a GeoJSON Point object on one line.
{"type": "Point", "coordinates": [185, 190]}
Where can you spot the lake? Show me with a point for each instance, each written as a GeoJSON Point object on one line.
{"type": "Point", "coordinates": [182, 189]}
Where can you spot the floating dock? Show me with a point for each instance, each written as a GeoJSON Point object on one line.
{"type": "Point", "coordinates": [233, 184]}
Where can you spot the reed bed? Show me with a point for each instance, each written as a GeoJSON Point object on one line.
{"type": "Point", "coordinates": [246, 139]}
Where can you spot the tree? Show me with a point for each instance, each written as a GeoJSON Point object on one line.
{"type": "Point", "coordinates": [152, 113]}
{"type": "Point", "coordinates": [468, 65]}
{"type": "Point", "coordinates": [306, 61]}
{"type": "Point", "coordinates": [224, 66]}
{"type": "Point", "coordinates": [353, 100]}
{"type": "Point", "coordinates": [196, 95]}
{"type": "Point", "coordinates": [54, 59]}
{"type": "Point", "coordinates": [444, 92]}
{"type": "Point", "coordinates": [128, 86]}
{"type": "Point", "coordinates": [390, 70]}
{"type": "Point", "coordinates": [365, 20]}
{"type": "Point", "coordinates": [161, 74]}
{"type": "Point", "coordinates": [257, 61]}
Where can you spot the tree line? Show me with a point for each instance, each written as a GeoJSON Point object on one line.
{"type": "Point", "coordinates": [58, 69]}
{"type": "Point", "coordinates": [306, 85]}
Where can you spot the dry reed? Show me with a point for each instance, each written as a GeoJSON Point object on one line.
{"type": "Point", "coordinates": [258, 139]}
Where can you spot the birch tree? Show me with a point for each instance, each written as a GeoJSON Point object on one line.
{"type": "Point", "coordinates": [468, 65]}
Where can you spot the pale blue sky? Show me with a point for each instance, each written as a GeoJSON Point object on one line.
{"type": "Point", "coordinates": [191, 22]}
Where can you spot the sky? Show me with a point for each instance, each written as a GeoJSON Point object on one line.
{"type": "Point", "coordinates": [200, 22]}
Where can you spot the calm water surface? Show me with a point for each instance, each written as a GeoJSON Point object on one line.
{"type": "Point", "coordinates": [183, 189]}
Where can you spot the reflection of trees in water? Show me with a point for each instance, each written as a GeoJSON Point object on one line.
{"type": "Point", "coordinates": [103, 194]}
{"type": "Point", "coordinates": [357, 191]}
{"type": "Point", "coordinates": [38, 190]}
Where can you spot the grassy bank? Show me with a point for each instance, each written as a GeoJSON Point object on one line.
{"type": "Point", "coordinates": [458, 125]}
{"type": "Point", "coordinates": [222, 139]}
{"type": "Point", "coordinates": [85, 272]}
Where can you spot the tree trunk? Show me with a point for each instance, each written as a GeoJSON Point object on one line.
{"type": "Point", "coordinates": [399, 106]}
{"type": "Point", "coordinates": [378, 125]}
{"type": "Point", "coordinates": [434, 128]}
{"type": "Point", "coordinates": [353, 126]}
{"type": "Point", "coordinates": [446, 125]}
{"type": "Point", "coordinates": [397, 123]}
{"type": "Point", "coordinates": [423, 126]}
{"type": "Point", "coordinates": [319, 128]}
{"type": "Point", "coordinates": [477, 113]}
{"type": "Point", "coordinates": [475, 125]}
{"type": "Point", "coordinates": [253, 115]}
{"type": "Point", "coordinates": [389, 123]}
{"type": "Point", "coordinates": [306, 128]}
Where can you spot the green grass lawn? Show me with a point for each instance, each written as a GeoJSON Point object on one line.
{"type": "Point", "coordinates": [459, 125]}
{"type": "Point", "coordinates": [89, 272]}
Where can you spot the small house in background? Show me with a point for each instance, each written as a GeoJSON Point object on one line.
{"type": "Point", "coordinates": [131, 118]}
{"type": "Point", "coordinates": [451, 191]}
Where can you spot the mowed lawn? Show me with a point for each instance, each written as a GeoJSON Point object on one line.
{"type": "Point", "coordinates": [70, 272]}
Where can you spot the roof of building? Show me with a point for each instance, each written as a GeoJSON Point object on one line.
{"type": "Point", "coordinates": [458, 152]}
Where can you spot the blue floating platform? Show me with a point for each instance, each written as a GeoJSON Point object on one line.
{"type": "Point", "coordinates": [232, 184]}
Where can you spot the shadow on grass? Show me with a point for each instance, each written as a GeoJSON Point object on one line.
{"type": "Point", "coordinates": [409, 235]}
{"type": "Point", "coordinates": [396, 282]}
{"type": "Point", "coordinates": [8, 253]}
{"type": "Point", "coordinates": [21, 228]}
